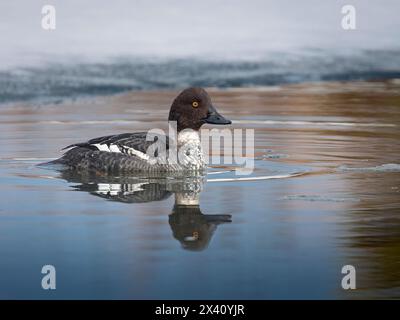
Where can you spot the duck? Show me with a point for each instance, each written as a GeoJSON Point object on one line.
{"type": "Point", "coordinates": [149, 152]}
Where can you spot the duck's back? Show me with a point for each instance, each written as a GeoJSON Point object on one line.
{"type": "Point", "coordinates": [127, 152]}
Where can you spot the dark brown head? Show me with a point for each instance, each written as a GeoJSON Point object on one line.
{"type": "Point", "coordinates": [192, 108]}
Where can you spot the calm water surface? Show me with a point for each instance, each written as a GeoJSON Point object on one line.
{"type": "Point", "coordinates": [137, 237]}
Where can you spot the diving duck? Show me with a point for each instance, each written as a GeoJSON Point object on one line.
{"type": "Point", "coordinates": [147, 152]}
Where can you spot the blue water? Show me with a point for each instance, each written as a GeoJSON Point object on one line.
{"type": "Point", "coordinates": [56, 82]}
{"type": "Point", "coordinates": [243, 251]}
{"type": "Point", "coordinates": [133, 237]}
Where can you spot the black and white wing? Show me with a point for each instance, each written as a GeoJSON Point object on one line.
{"type": "Point", "coordinates": [127, 143]}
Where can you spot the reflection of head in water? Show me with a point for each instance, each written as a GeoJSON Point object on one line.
{"type": "Point", "coordinates": [192, 228]}
{"type": "Point", "coordinates": [189, 225]}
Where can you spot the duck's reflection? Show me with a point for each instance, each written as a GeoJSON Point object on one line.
{"type": "Point", "coordinates": [189, 225]}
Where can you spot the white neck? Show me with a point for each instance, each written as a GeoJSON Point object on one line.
{"type": "Point", "coordinates": [188, 136]}
{"type": "Point", "coordinates": [190, 151]}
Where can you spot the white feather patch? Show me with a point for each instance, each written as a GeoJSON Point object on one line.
{"type": "Point", "coordinates": [102, 147]}
{"type": "Point", "coordinates": [126, 150]}
{"type": "Point", "coordinates": [188, 136]}
{"type": "Point", "coordinates": [141, 155]}
{"type": "Point", "coordinates": [114, 148]}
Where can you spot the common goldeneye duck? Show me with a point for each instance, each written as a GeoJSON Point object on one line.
{"type": "Point", "coordinates": [148, 152]}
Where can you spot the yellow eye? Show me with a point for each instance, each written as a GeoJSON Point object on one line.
{"type": "Point", "coordinates": [195, 104]}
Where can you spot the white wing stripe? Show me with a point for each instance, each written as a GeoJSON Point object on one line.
{"type": "Point", "coordinates": [102, 147]}
{"type": "Point", "coordinates": [114, 148]}
{"type": "Point", "coordinates": [125, 150]}
{"type": "Point", "coordinates": [105, 147]}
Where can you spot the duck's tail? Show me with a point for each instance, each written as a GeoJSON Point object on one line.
{"type": "Point", "coordinates": [51, 163]}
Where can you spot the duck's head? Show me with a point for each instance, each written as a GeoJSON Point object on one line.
{"type": "Point", "coordinates": [192, 108]}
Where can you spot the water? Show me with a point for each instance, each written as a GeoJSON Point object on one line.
{"type": "Point", "coordinates": [56, 82]}
{"type": "Point", "coordinates": [331, 149]}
